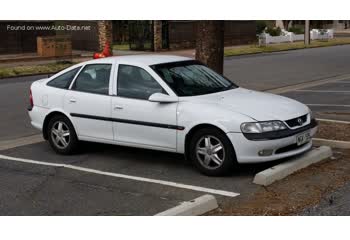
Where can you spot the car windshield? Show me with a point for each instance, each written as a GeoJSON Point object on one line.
{"type": "Point", "coordinates": [191, 78]}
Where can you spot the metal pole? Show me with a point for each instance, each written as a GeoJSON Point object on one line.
{"type": "Point", "coordinates": [307, 33]}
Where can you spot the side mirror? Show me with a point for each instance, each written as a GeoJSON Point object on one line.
{"type": "Point", "coordinates": [162, 98]}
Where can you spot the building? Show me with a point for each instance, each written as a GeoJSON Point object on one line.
{"type": "Point", "coordinates": [336, 25]}
{"type": "Point", "coordinates": [21, 36]}
{"type": "Point", "coordinates": [173, 35]}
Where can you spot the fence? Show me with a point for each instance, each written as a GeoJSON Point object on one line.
{"type": "Point", "coordinates": [315, 34]}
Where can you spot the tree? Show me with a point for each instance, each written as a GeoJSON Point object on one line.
{"type": "Point", "coordinates": [210, 44]}
{"type": "Point", "coordinates": [307, 32]}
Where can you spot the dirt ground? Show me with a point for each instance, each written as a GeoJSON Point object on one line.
{"type": "Point", "coordinates": [333, 131]}
{"type": "Point", "coordinates": [291, 195]}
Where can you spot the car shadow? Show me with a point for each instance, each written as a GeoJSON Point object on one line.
{"type": "Point", "coordinates": [166, 159]}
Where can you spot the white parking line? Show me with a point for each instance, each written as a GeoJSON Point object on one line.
{"type": "Point", "coordinates": [321, 91]}
{"type": "Point", "coordinates": [326, 105]}
{"type": "Point", "coordinates": [308, 84]}
{"type": "Point", "coordinates": [117, 175]}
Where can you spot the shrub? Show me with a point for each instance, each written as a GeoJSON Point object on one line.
{"type": "Point", "coordinates": [322, 31]}
{"type": "Point", "coordinates": [274, 31]}
{"type": "Point", "coordinates": [296, 30]}
{"type": "Point", "coordinates": [260, 26]}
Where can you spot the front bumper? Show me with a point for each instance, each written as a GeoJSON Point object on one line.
{"type": "Point", "coordinates": [247, 150]}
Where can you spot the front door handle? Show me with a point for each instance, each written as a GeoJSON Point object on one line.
{"type": "Point", "coordinates": [72, 100]}
{"type": "Point", "coordinates": [118, 107]}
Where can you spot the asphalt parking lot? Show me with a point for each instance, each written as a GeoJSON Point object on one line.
{"type": "Point", "coordinates": [34, 189]}
{"type": "Point", "coordinates": [142, 182]}
{"type": "Point", "coordinates": [328, 100]}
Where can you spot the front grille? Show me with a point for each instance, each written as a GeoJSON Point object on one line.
{"type": "Point", "coordinates": [296, 122]}
{"type": "Point", "coordinates": [289, 148]}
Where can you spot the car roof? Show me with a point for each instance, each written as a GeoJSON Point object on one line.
{"type": "Point", "coordinates": [143, 59]}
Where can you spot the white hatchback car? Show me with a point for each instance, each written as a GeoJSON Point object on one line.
{"type": "Point", "coordinates": [168, 103]}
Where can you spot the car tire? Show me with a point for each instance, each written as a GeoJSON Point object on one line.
{"type": "Point", "coordinates": [212, 152]}
{"type": "Point", "coordinates": [61, 135]}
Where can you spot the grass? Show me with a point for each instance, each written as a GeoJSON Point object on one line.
{"type": "Point", "coordinates": [126, 46]}
{"type": "Point", "coordinates": [250, 49]}
{"type": "Point", "coordinates": [123, 47]}
{"type": "Point", "coordinates": [33, 69]}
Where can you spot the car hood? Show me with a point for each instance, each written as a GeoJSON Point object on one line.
{"type": "Point", "coordinates": [260, 106]}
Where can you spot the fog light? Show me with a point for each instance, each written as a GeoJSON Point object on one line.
{"type": "Point", "coordinates": [265, 152]}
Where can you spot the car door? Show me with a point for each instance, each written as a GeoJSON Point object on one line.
{"type": "Point", "coordinates": [137, 121]}
{"type": "Point", "coordinates": [89, 102]}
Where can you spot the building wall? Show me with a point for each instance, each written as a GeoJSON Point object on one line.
{"type": "Point", "coordinates": [182, 34]}
{"type": "Point", "coordinates": [84, 40]}
{"type": "Point", "coordinates": [25, 41]}
{"type": "Point", "coordinates": [325, 24]}
{"type": "Point", "coordinates": [21, 41]}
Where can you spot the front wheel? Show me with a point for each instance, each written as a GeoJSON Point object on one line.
{"type": "Point", "coordinates": [212, 152]}
{"type": "Point", "coordinates": [61, 134]}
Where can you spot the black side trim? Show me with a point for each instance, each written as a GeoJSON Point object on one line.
{"type": "Point", "coordinates": [150, 124]}
{"type": "Point", "coordinates": [279, 134]}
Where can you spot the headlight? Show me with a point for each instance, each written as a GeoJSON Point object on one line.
{"type": "Point", "coordinates": [260, 127]}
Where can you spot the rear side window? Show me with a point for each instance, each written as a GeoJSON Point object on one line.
{"type": "Point", "coordinates": [94, 78]}
{"type": "Point", "coordinates": [64, 80]}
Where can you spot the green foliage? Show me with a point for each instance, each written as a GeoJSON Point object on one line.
{"type": "Point", "coordinates": [322, 31]}
{"type": "Point", "coordinates": [273, 31]}
{"type": "Point", "coordinates": [260, 26]}
{"type": "Point", "coordinates": [296, 30]}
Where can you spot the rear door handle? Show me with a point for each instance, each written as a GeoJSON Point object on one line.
{"type": "Point", "coordinates": [118, 107]}
{"type": "Point", "coordinates": [72, 100]}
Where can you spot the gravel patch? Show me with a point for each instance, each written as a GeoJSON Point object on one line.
{"type": "Point", "coordinates": [290, 196]}
{"type": "Point", "coordinates": [333, 131]}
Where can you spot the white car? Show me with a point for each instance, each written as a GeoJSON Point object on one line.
{"type": "Point", "coordinates": [168, 103]}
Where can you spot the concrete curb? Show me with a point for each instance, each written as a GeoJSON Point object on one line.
{"type": "Point", "coordinates": [48, 74]}
{"type": "Point", "coordinates": [333, 121]}
{"type": "Point", "coordinates": [36, 58]}
{"type": "Point", "coordinates": [331, 143]}
{"type": "Point", "coordinates": [19, 142]}
{"type": "Point", "coordinates": [195, 207]}
{"type": "Point", "coordinates": [282, 170]}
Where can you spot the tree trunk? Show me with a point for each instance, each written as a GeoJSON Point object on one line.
{"type": "Point", "coordinates": [307, 32]}
{"type": "Point", "coordinates": [210, 44]}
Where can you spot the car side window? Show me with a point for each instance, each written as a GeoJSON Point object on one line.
{"type": "Point", "coordinates": [135, 82]}
{"type": "Point", "coordinates": [94, 78]}
{"type": "Point", "coordinates": [64, 80]}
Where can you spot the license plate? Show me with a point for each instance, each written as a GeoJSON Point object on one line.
{"type": "Point", "coordinates": [303, 138]}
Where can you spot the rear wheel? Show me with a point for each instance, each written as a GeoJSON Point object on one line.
{"type": "Point", "coordinates": [61, 135]}
{"type": "Point", "coordinates": [212, 152]}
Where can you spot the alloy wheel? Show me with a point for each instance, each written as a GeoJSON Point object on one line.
{"type": "Point", "coordinates": [60, 135]}
{"type": "Point", "coordinates": [210, 152]}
